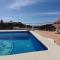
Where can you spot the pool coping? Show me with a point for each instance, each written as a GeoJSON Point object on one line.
{"type": "Point", "coordinates": [52, 53]}
{"type": "Point", "coordinates": [11, 30]}
{"type": "Point", "coordinates": [44, 39]}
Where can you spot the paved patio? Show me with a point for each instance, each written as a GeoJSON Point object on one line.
{"type": "Point", "coordinates": [53, 35]}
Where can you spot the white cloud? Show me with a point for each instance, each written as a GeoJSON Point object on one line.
{"type": "Point", "coordinates": [22, 3]}
{"type": "Point", "coordinates": [51, 13]}
{"type": "Point", "coordinates": [46, 13]}
{"type": "Point", "coordinates": [14, 4]}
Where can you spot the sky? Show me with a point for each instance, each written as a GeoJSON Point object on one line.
{"type": "Point", "coordinates": [30, 11]}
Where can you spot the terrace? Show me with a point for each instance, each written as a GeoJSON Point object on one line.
{"type": "Point", "coordinates": [53, 52]}
{"type": "Point", "coordinates": [47, 35]}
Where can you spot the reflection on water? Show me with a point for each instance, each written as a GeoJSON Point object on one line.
{"type": "Point", "coordinates": [5, 47]}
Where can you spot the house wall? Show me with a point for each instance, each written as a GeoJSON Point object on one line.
{"type": "Point", "coordinates": [57, 27]}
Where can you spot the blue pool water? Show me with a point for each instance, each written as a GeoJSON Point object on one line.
{"type": "Point", "coordinates": [19, 42]}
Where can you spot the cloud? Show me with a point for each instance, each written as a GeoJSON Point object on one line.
{"type": "Point", "coordinates": [17, 4]}
{"type": "Point", "coordinates": [46, 13]}
{"type": "Point", "coordinates": [22, 3]}
{"type": "Point", "coordinates": [50, 13]}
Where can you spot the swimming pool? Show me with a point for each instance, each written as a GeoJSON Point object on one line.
{"type": "Point", "coordinates": [19, 42]}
